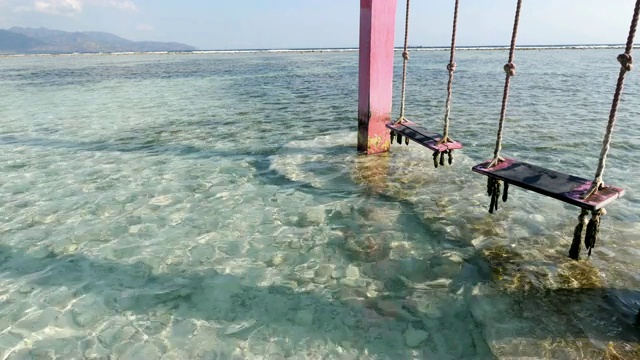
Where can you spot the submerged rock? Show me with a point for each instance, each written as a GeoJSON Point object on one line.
{"type": "Point", "coordinates": [313, 216]}
{"type": "Point", "coordinates": [305, 317]}
{"type": "Point", "coordinates": [162, 200]}
{"type": "Point", "coordinates": [276, 260]}
{"type": "Point", "coordinates": [414, 337]}
{"type": "Point", "coordinates": [391, 308]}
{"type": "Point", "coordinates": [366, 249]}
{"type": "Point", "coordinates": [236, 328]}
{"type": "Point", "coordinates": [338, 273]}
{"type": "Point", "coordinates": [323, 273]}
{"type": "Point", "coordinates": [352, 272]}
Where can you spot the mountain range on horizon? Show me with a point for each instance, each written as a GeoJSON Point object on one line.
{"type": "Point", "coordinates": [24, 40]}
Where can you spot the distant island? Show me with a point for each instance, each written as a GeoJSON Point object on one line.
{"type": "Point", "coordinates": [19, 40]}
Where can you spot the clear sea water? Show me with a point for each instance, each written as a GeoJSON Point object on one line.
{"type": "Point", "coordinates": [213, 206]}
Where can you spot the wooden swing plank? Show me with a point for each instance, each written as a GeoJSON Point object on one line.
{"type": "Point", "coordinates": [422, 136]}
{"type": "Point", "coordinates": [563, 187]}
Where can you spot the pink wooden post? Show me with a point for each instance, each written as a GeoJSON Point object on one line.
{"type": "Point", "coordinates": [377, 28]}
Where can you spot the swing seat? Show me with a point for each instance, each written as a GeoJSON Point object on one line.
{"type": "Point", "coordinates": [563, 187]}
{"type": "Point", "coordinates": [423, 137]}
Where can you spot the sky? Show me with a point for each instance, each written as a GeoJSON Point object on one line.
{"type": "Point", "coordinates": [261, 24]}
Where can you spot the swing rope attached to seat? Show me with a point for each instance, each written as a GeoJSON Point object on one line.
{"type": "Point", "coordinates": [405, 57]}
{"type": "Point", "coordinates": [402, 127]}
{"type": "Point", "coordinates": [493, 184]}
{"type": "Point", "coordinates": [451, 67]}
{"type": "Point", "coordinates": [593, 228]}
{"type": "Point", "coordinates": [510, 71]}
{"type": "Point", "coordinates": [590, 195]}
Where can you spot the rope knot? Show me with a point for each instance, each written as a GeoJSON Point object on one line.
{"type": "Point", "coordinates": [451, 67]}
{"type": "Point", "coordinates": [405, 55]}
{"type": "Point", "coordinates": [626, 61]}
{"type": "Point", "coordinates": [510, 69]}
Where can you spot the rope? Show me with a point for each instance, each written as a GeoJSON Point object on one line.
{"type": "Point", "coordinates": [451, 67]}
{"type": "Point", "coordinates": [593, 229]}
{"type": "Point", "coordinates": [574, 252]}
{"type": "Point", "coordinates": [493, 190]}
{"type": "Point", "coordinates": [626, 65]}
{"type": "Point", "coordinates": [405, 57]}
{"type": "Point", "coordinates": [510, 70]}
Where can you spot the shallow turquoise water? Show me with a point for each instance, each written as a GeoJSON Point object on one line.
{"type": "Point", "coordinates": [213, 206]}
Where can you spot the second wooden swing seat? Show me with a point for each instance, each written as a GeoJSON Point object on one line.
{"type": "Point", "coordinates": [404, 129]}
{"type": "Point", "coordinates": [422, 136]}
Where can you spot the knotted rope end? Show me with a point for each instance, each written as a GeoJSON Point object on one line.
{"type": "Point", "coordinates": [400, 120]}
{"type": "Point", "coordinates": [597, 184]}
{"type": "Point", "coordinates": [593, 229]}
{"type": "Point", "coordinates": [497, 160]}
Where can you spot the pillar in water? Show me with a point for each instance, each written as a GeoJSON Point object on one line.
{"type": "Point", "coordinates": [375, 79]}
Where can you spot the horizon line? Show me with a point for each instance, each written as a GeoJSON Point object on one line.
{"type": "Point", "coordinates": [421, 46]}
{"type": "Point", "coordinates": [330, 49]}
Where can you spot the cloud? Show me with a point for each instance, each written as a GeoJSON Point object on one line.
{"type": "Point", "coordinates": [118, 4]}
{"type": "Point", "coordinates": [144, 27]}
{"type": "Point", "coordinates": [67, 7]}
{"type": "Point", "coordinates": [58, 6]}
